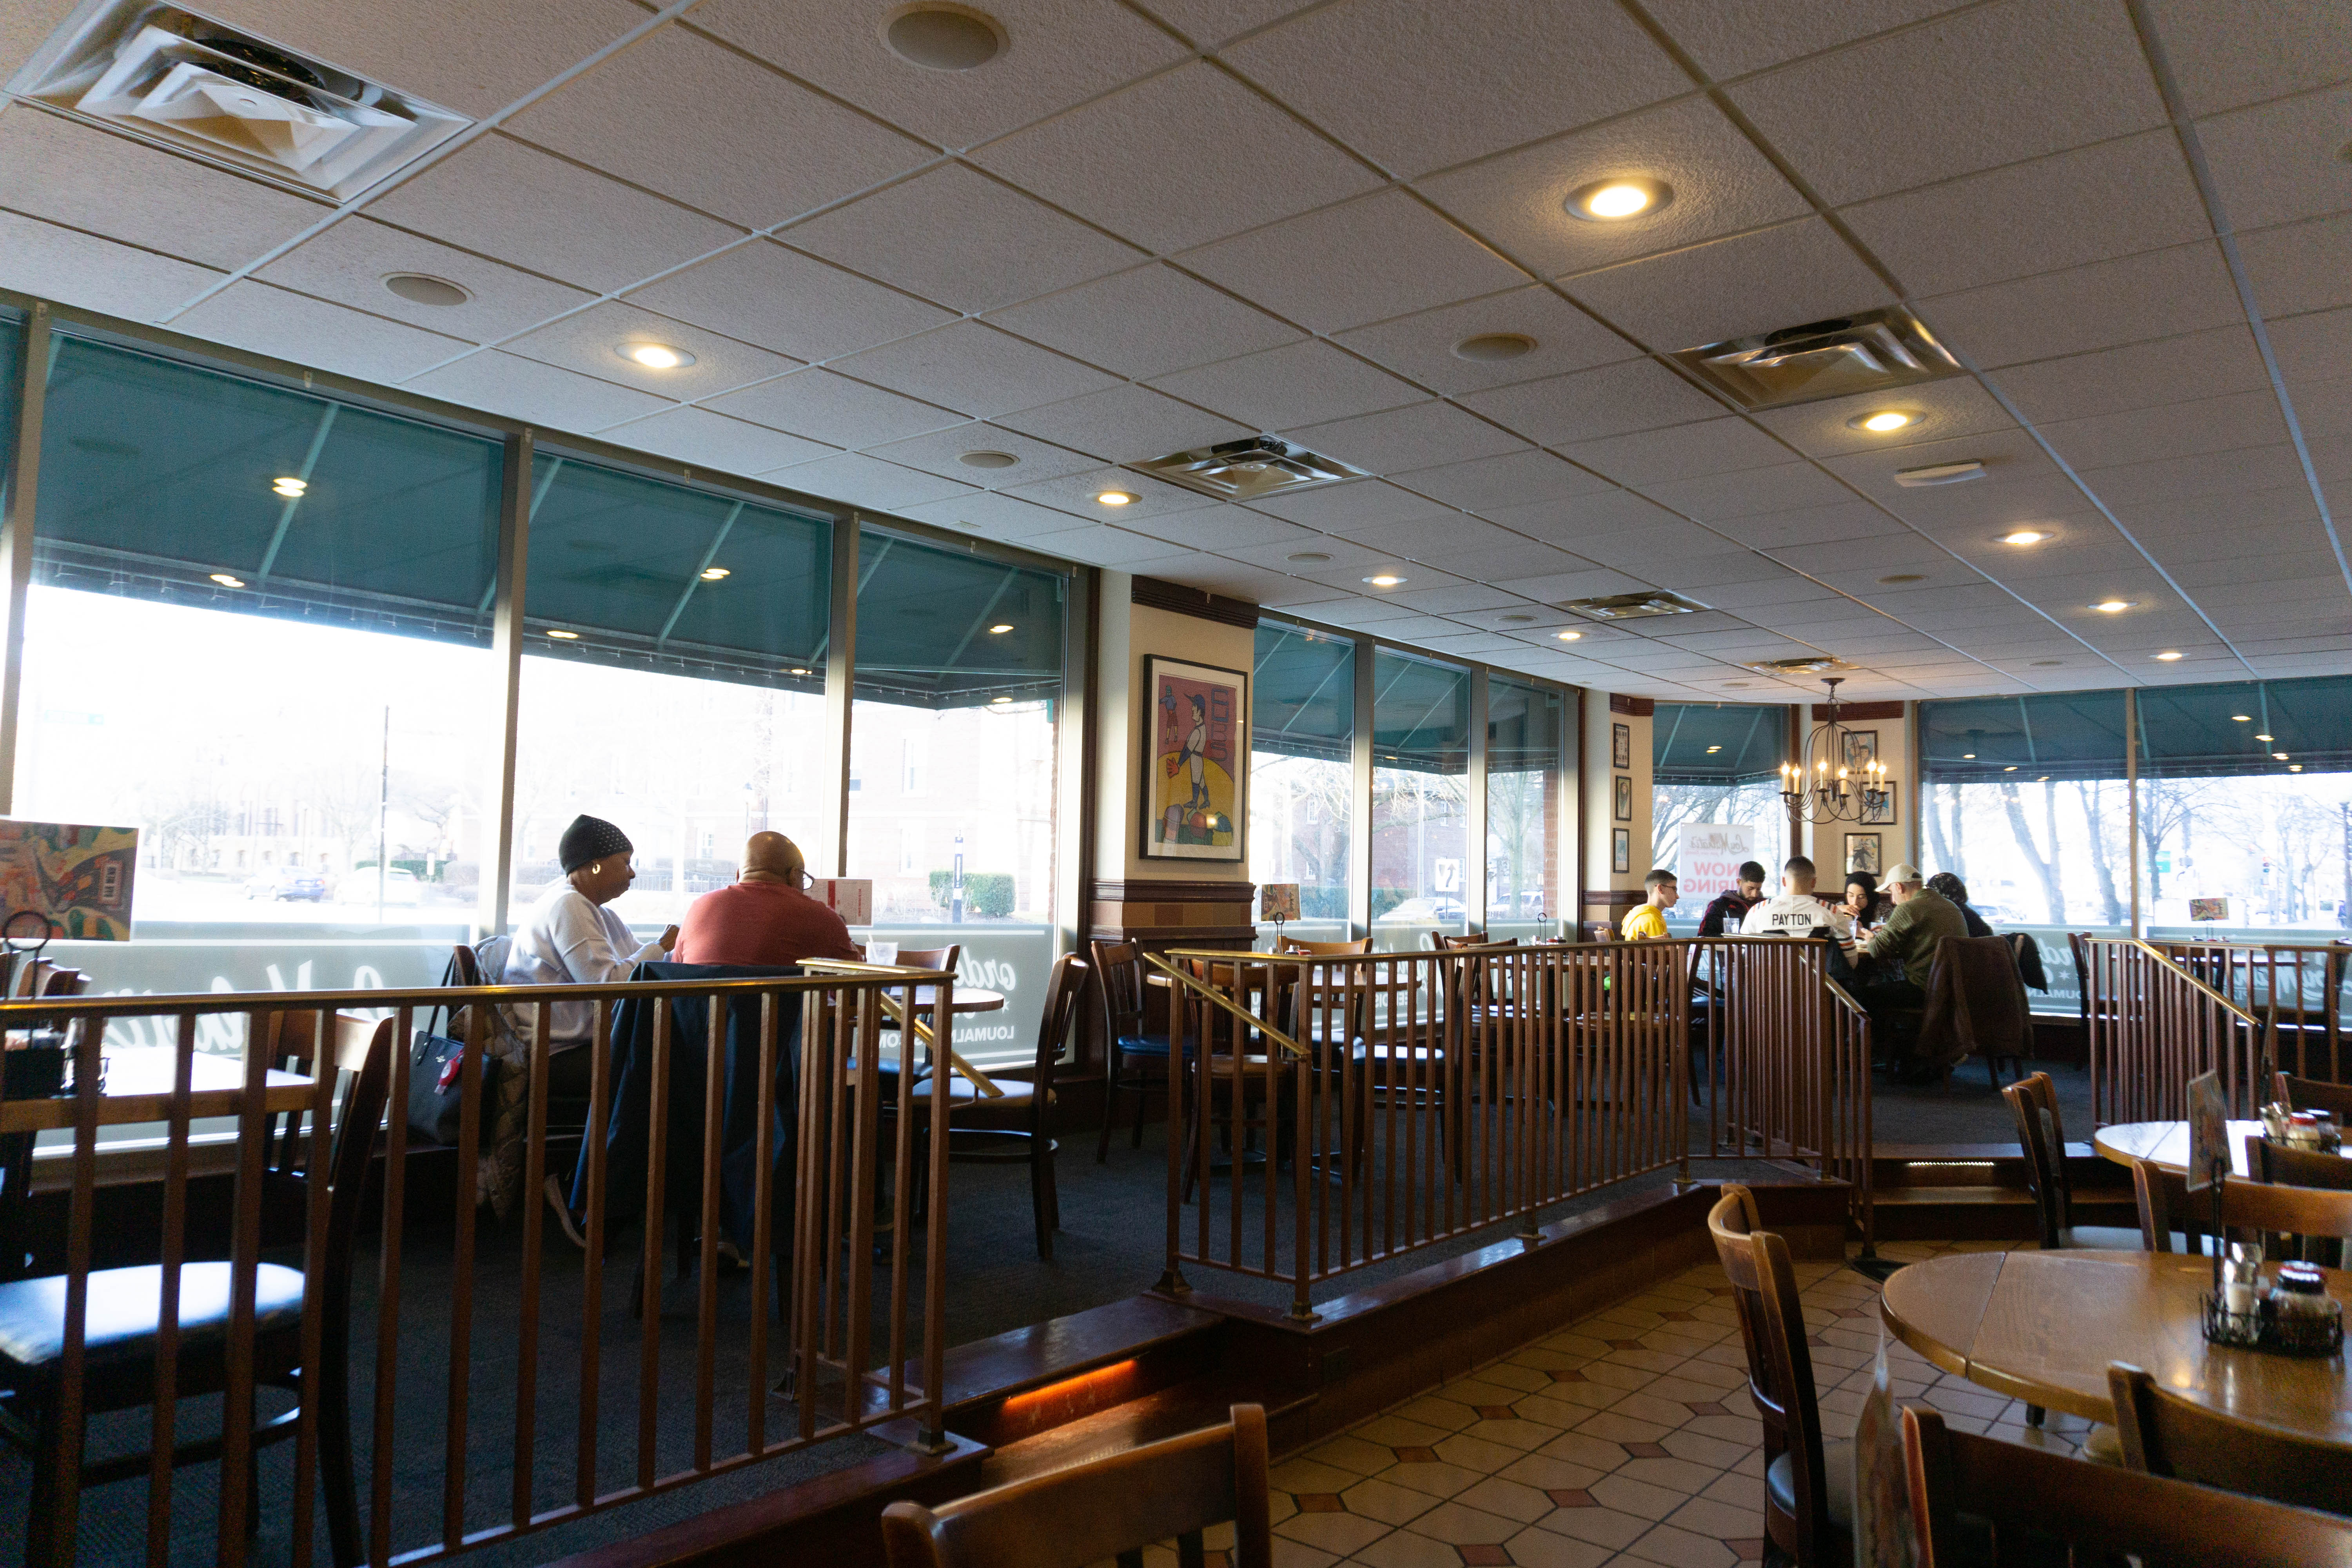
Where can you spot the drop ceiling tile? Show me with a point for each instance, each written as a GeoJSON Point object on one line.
{"type": "Point", "coordinates": [2280, 162]}
{"type": "Point", "coordinates": [64, 172]}
{"type": "Point", "coordinates": [1684, 452]}
{"type": "Point", "coordinates": [1700, 573]}
{"type": "Point", "coordinates": [1358, 504]}
{"type": "Point", "coordinates": [2009, 455]}
{"type": "Point", "coordinates": [2301, 266]}
{"type": "Point", "coordinates": [2229, 52]}
{"type": "Point", "coordinates": [25, 27]}
{"type": "Point", "coordinates": [1147, 322]}
{"type": "Point", "coordinates": [653, 113]}
{"type": "Point", "coordinates": [1474, 644]}
{"type": "Point", "coordinates": [1097, 544]}
{"type": "Point", "coordinates": [1809, 525]}
{"type": "Point", "coordinates": [1721, 185]}
{"type": "Point", "coordinates": [702, 440]}
{"type": "Point", "coordinates": [761, 292]}
{"type": "Point", "coordinates": [973, 366]}
{"type": "Point", "coordinates": [1422, 345]}
{"type": "Point", "coordinates": [77, 268]}
{"type": "Point", "coordinates": [1419, 436]}
{"type": "Point", "coordinates": [1126, 425]}
{"type": "Point", "coordinates": [1753, 283]}
{"type": "Point", "coordinates": [2176, 429]}
{"type": "Point", "coordinates": [1075, 493]}
{"type": "Point", "coordinates": [1005, 247]}
{"type": "Point", "coordinates": [1362, 261]}
{"type": "Point", "coordinates": [1776, 601]}
{"type": "Point", "coordinates": [1939, 410]}
{"type": "Point", "coordinates": [589, 342]}
{"type": "Point", "coordinates": [1336, 554]}
{"type": "Point", "coordinates": [1525, 559]}
{"type": "Point", "coordinates": [1215, 573]}
{"type": "Point", "coordinates": [1449, 539]}
{"type": "Point", "coordinates": [1480, 75]}
{"type": "Point", "coordinates": [942, 452]}
{"type": "Point", "coordinates": [833, 409]}
{"type": "Point", "coordinates": [1352, 576]}
{"type": "Point", "coordinates": [861, 480]}
{"type": "Point", "coordinates": [267, 321]}
{"type": "Point", "coordinates": [519, 204]}
{"type": "Point", "coordinates": [1486, 484]}
{"type": "Point", "coordinates": [1748, 493]}
{"type": "Point", "coordinates": [1155, 162]}
{"type": "Point", "coordinates": [1985, 87]}
{"type": "Point", "coordinates": [2093, 203]}
{"type": "Point", "coordinates": [1637, 395]}
{"type": "Point", "coordinates": [2140, 376]}
{"type": "Point", "coordinates": [1360, 609]}
{"type": "Point", "coordinates": [2161, 294]}
{"type": "Point", "coordinates": [992, 516]}
{"type": "Point", "coordinates": [1298, 384]}
{"type": "Point", "coordinates": [348, 262]}
{"type": "Point", "coordinates": [1573, 523]}
{"type": "Point", "coordinates": [1563, 586]}
{"type": "Point", "coordinates": [1310, 599]}
{"type": "Point", "coordinates": [1227, 527]}
{"type": "Point", "coordinates": [1450, 598]}
{"type": "Point", "coordinates": [537, 394]}
{"type": "Point", "coordinates": [1059, 53]}
{"type": "Point", "coordinates": [1732, 40]}
{"type": "Point", "coordinates": [2203, 474]}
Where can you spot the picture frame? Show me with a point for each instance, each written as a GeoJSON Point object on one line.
{"type": "Point", "coordinates": [1883, 813]}
{"type": "Point", "coordinates": [1620, 745]}
{"type": "Point", "coordinates": [1860, 749]}
{"type": "Point", "coordinates": [1864, 852]}
{"type": "Point", "coordinates": [1621, 849]}
{"type": "Point", "coordinates": [1194, 802]}
{"type": "Point", "coordinates": [1620, 808]}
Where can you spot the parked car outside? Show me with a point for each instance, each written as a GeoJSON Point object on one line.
{"type": "Point", "coordinates": [286, 884]}
{"type": "Point", "coordinates": [1438, 910]}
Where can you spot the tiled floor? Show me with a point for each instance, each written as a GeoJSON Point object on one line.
{"type": "Point", "coordinates": [1626, 1437]}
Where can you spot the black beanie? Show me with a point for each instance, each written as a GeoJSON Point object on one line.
{"type": "Point", "coordinates": [589, 838]}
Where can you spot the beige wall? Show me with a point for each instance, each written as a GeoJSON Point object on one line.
{"type": "Point", "coordinates": [1129, 633]}
{"type": "Point", "coordinates": [1599, 781]}
{"type": "Point", "coordinates": [1898, 840]}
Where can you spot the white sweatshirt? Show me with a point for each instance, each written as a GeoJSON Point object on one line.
{"type": "Point", "coordinates": [569, 940]}
{"type": "Point", "coordinates": [1796, 914]}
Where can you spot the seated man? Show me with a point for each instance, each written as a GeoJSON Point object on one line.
{"type": "Point", "coordinates": [1730, 907]}
{"type": "Point", "coordinates": [764, 918]}
{"type": "Point", "coordinates": [1796, 910]}
{"type": "Point", "coordinates": [1646, 921]}
{"type": "Point", "coordinates": [1900, 953]}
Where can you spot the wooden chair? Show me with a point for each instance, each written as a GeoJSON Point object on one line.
{"type": "Point", "coordinates": [1982, 1500]}
{"type": "Point", "coordinates": [1036, 1144]}
{"type": "Point", "coordinates": [1603, 931]}
{"type": "Point", "coordinates": [1230, 1048]}
{"type": "Point", "coordinates": [1808, 1484]}
{"type": "Point", "coordinates": [124, 1304]}
{"type": "Point", "coordinates": [1118, 971]}
{"type": "Point", "coordinates": [1110, 1507]}
{"type": "Point", "coordinates": [1326, 949]}
{"type": "Point", "coordinates": [2042, 1137]}
{"type": "Point", "coordinates": [2311, 1094]}
{"type": "Point", "coordinates": [2300, 1215]}
{"type": "Point", "coordinates": [2166, 1434]}
{"type": "Point", "coordinates": [1440, 943]}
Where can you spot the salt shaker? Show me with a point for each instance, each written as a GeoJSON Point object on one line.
{"type": "Point", "coordinates": [2240, 1276]}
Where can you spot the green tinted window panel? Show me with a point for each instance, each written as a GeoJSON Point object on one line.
{"type": "Point", "coordinates": [1304, 700]}
{"type": "Point", "coordinates": [12, 350]}
{"type": "Point", "coordinates": [1421, 714]}
{"type": "Point", "coordinates": [2058, 735]}
{"type": "Point", "coordinates": [946, 628]}
{"type": "Point", "coordinates": [1717, 742]}
{"type": "Point", "coordinates": [157, 478]}
{"type": "Point", "coordinates": [1525, 725]}
{"type": "Point", "coordinates": [2196, 731]}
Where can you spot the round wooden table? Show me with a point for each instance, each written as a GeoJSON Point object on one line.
{"type": "Point", "coordinates": [2042, 1326]}
{"type": "Point", "coordinates": [2165, 1144]}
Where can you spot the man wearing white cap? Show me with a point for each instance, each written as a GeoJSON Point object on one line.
{"type": "Point", "coordinates": [1904, 949]}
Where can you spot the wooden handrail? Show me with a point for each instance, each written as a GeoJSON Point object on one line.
{"type": "Point", "coordinates": [1298, 1052]}
{"type": "Point", "coordinates": [2173, 966]}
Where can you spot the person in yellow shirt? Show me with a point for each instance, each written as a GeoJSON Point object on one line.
{"type": "Point", "coordinates": [1647, 922]}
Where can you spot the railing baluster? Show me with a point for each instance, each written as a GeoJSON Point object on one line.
{"type": "Point", "coordinates": [706, 1323]}
{"type": "Point", "coordinates": [656, 1223]}
{"type": "Point", "coordinates": [591, 1273]}
{"type": "Point", "coordinates": [167, 1307]}
{"type": "Point", "coordinates": [534, 1219]}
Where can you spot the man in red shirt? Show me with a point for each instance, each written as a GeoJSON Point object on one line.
{"type": "Point", "coordinates": [763, 918]}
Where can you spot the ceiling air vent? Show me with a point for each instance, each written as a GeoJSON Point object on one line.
{"type": "Point", "coordinates": [1819, 664]}
{"type": "Point", "coordinates": [1633, 606]}
{"type": "Point", "coordinates": [173, 76]}
{"type": "Point", "coordinates": [1874, 352]}
{"type": "Point", "coordinates": [1245, 470]}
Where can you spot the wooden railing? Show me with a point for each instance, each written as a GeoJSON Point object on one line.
{"type": "Point", "coordinates": [2294, 988]}
{"type": "Point", "coordinates": [2154, 1024]}
{"type": "Point", "coordinates": [1358, 1107]}
{"type": "Point", "coordinates": [791, 1074]}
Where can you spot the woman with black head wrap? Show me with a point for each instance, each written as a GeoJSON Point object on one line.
{"type": "Point", "coordinates": [571, 937]}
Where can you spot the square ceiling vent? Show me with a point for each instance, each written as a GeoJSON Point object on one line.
{"type": "Point", "coordinates": [171, 75]}
{"type": "Point", "coordinates": [1817, 664]}
{"type": "Point", "coordinates": [1633, 606]}
{"type": "Point", "coordinates": [1874, 352]}
{"type": "Point", "coordinates": [1248, 470]}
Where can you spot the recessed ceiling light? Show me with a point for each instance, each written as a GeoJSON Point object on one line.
{"type": "Point", "coordinates": [1568, 637]}
{"type": "Point", "coordinates": [2168, 655]}
{"type": "Point", "coordinates": [987, 459]}
{"type": "Point", "coordinates": [1311, 557]}
{"type": "Point", "coordinates": [655, 356]}
{"type": "Point", "coordinates": [2294, 767]}
{"type": "Point", "coordinates": [419, 289]}
{"type": "Point", "coordinates": [998, 702]}
{"type": "Point", "coordinates": [1000, 628]}
{"type": "Point", "coordinates": [943, 37]}
{"type": "Point", "coordinates": [1714, 748]}
{"type": "Point", "coordinates": [1906, 577]}
{"type": "Point", "coordinates": [290, 487]}
{"type": "Point", "coordinates": [2024, 536]}
{"type": "Point", "coordinates": [2242, 717]}
{"type": "Point", "coordinates": [1968, 756]}
{"type": "Point", "coordinates": [1384, 580]}
{"type": "Point", "coordinates": [1884, 422]}
{"type": "Point", "coordinates": [2010, 769]}
{"type": "Point", "coordinates": [2280, 756]}
{"type": "Point", "coordinates": [1495, 346]}
{"type": "Point", "coordinates": [712, 573]}
{"type": "Point", "coordinates": [796, 670]}
{"type": "Point", "coordinates": [564, 637]}
{"type": "Point", "coordinates": [226, 581]}
{"type": "Point", "coordinates": [1612, 201]}
{"type": "Point", "coordinates": [1115, 498]}
{"type": "Point", "coordinates": [2112, 606]}
{"type": "Point", "coordinates": [2266, 737]}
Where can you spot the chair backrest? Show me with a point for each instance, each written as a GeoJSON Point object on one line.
{"type": "Point", "coordinates": [1968, 1493]}
{"type": "Point", "coordinates": [2078, 944]}
{"type": "Point", "coordinates": [1603, 931]}
{"type": "Point", "coordinates": [1326, 949]}
{"type": "Point", "coordinates": [2283, 1166]}
{"type": "Point", "coordinates": [1440, 941]}
{"type": "Point", "coordinates": [1110, 1507]}
{"type": "Point", "coordinates": [2303, 1214]}
{"type": "Point", "coordinates": [2314, 1094]}
{"type": "Point", "coordinates": [1779, 1367]}
{"type": "Point", "coordinates": [1064, 987]}
{"type": "Point", "coordinates": [2166, 1434]}
{"type": "Point", "coordinates": [1119, 970]}
{"type": "Point", "coordinates": [941, 959]}
{"type": "Point", "coordinates": [2034, 1101]}
{"type": "Point", "coordinates": [463, 968]}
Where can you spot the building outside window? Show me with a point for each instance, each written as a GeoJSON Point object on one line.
{"type": "Point", "coordinates": [1302, 773]}
{"type": "Point", "coordinates": [1527, 727]}
{"type": "Point", "coordinates": [1421, 797]}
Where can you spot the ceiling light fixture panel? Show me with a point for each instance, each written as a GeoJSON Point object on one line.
{"type": "Point", "coordinates": [1875, 351]}
{"type": "Point", "coordinates": [1633, 606]}
{"type": "Point", "coordinates": [1250, 470]}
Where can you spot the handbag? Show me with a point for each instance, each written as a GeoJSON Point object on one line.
{"type": "Point", "coordinates": [436, 1085]}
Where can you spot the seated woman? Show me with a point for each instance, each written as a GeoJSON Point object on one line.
{"type": "Point", "coordinates": [571, 938]}
{"type": "Point", "coordinates": [1864, 901]}
{"type": "Point", "coordinates": [1952, 887]}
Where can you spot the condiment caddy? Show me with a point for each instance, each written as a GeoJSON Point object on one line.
{"type": "Point", "coordinates": [2289, 1314]}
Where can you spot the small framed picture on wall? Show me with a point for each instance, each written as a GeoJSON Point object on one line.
{"type": "Point", "coordinates": [1883, 813]}
{"type": "Point", "coordinates": [1620, 745]}
{"type": "Point", "coordinates": [1622, 801]}
{"type": "Point", "coordinates": [1861, 750]}
{"type": "Point", "coordinates": [1861, 853]}
{"type": "Point", "coordinates": [1621, 849]}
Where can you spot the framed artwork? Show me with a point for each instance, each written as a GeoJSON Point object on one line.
{"type": "Point", "coordinates": [1883, 813]}
{"type": "Point", "coordinates": [1620, 745]}
{"type": "Point", "coordinates": [1620, 807]}
{"type": "Point", "coordinates": [1861, 747]}
{"type": "Point", "coordinates": [1621, 849]}
{"type": "Point", "coordinates": [1195, 761]}
{"type": "Point", "coordinates": [2208, 909]}
{"type": "Point", "coordinates": [1861, 853]}
{"type": "Point", "coordinates": [75, 878]}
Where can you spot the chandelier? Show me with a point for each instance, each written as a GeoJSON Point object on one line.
{"type": "Point", "coordinates": [1837, 777]}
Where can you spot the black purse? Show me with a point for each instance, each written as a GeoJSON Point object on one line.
{"type": "Point", "coordinates": [436, 1085]}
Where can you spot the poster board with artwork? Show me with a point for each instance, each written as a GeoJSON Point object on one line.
{"type": "Point", "coordinates": [1196, 762]}
{"type": "Point", "coordinates": [1707, 857]}
{"type": "Point", "coordinates": [1277, 902]}
{"type": "Point", "coordinates": [78, 877]}
{"type": "Point", "coordinates": [1863, 853]}
{"type": "Point", "coordinates": [1621, 849]}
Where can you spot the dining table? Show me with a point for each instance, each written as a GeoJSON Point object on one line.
{"type": "Point", "coordinates": [2165, 1144]}
{"type": "Point", "coordinates": [2042, 1326]}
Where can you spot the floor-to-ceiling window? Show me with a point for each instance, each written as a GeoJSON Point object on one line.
{"type": "Point", "coordinates": [1527, 763]}
{"type": "Point", "coordinates": [1302, 773]}
{"type": "Point", "coordinates": [954, 737]}
{"type": "Point", "coordinates": [1715, 796]}
{"type": "Point", "coordinates": [1421, 798]}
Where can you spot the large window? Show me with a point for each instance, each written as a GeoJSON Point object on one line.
{"type": "Point", "coordinates": [1302, 773]}
{"type": "Point", "coordinates": [1716, 765]}
{"type": "Point", "coordinates": [1525, 726]}
{"type": "Point", "coordinates": [953, 740]}
{"type": "Point", "coordinates": [1421, 798]}
{"type": "Point", "coordinates": [257, 632]}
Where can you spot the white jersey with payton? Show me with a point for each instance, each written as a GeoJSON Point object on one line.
{"type": "Point", "coordinates": [1796, 914]}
